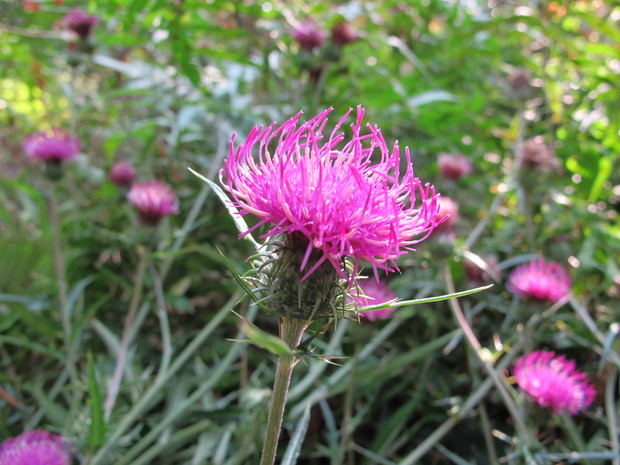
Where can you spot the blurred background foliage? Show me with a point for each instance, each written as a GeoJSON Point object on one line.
{"type": "Point", "coordinates": [164, 84]}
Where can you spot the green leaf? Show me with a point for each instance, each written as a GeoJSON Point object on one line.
{"type": "Point", "coordinates": [602, 175]}
{"type": "Point", "coordinates": [232, 210]}
{"type": "Point", "coordinates": [264, 340]}
{"type": "Point", "coordinates": [403, 303]}
{"type": "Point", "coordinates": [96, 430]}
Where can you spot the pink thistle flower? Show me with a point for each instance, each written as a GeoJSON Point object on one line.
{"type": "Point", "coordinates": [448, 215]}
{"type": "Point", "coordinates": [122, 173]}
{"type": "Point", "coordinates": [538, 156]}
{"type": "Point", "coordinates": [53, 146]}
{"type": "Point", "coordinates": [554, 382]}
{"type": "Point", "coordinates": [454, 166]}
{"type": "Point", "coordinates": [79, 22]}
{"type": "Point", "coordinates": [540, 280]}
{"type": "Point", "coordinates": [373, 292]}
{"type": "Point", "coordinates": [343, 33]}
{"type": "Point", "coordinates": [35, 448]}
{"type": "Point", "coordinates": [309, 35]}
{"type": "Point", "coordinates": [333, 194]}
{"type": "Point", "coordinates": [154, 200]}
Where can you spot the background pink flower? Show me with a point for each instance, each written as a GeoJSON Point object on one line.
{"type": "Point", "coordinates": [53, 145]}
{"type": "Point", "coordinates": [554, 382]}
{"type": "Point", "coordinates": [154, 200]}
{"type": "Point", "coordinates": [79, 22]}
{"type": "Point", "coordinates": [540, 280]}
{"type": "Point", "coordinates": [122, 173]}
{"type": "Point", "coordinates": [35, 448]}
{"type": "Point", "coordinates": [309, 35]}
{"type": "Point", "coordinates": [454, 166]}
{"type": "Point", "coordinates": [343, 202]}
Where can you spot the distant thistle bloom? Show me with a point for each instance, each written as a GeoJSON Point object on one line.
{"type": "Point", "coordinates": [35, 448]}
{"type": "Point", "coordinates": [343, 33]}
{"type": "Point", "coordinates": [331, 194]}
{"type": "Point", "coordinates": [537, 155]}
{"type": "Point", "coordinates": [554, 382]}
{"type": "Point", "coordinates": [449, 213]}
{"type": "Point", "coordinates": [53, 146]}
{"type": "Point", "coordinates": [154, 200]}
{"type": "Point", "coordinates": [373, 292]}
{"type": "Point", "coordinates": [540, 280]}
{"type": "Point", "coordinates": [309, 35]}
{"type": "Point", "coordinates": [520, 81]}
{"type": "Point", "coordinates": [454, 166]}
{"type": "Point", "coordinates": [79, 22]}
{"type": "Point", "coordinates": [122, 173]}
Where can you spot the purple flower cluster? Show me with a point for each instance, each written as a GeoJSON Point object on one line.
{"type": "Point", "coordinates": [153, 200]}
{"type": "Point", "coordinates": [53, 146]}
{"type": "Point", "coordinates": [554, 382]}
{"type": "Point", "coordinates": [540, 280]}
{"type": "Point", "coordinates": [334, 194]}
{"type": "Point", "coordinates": [35, 448]}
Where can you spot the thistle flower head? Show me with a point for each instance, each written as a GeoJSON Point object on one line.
{"type": "Point", "coordinates": [373, 292]}
{"type": "Point", "coordinates": [79, 22]}
{"type": "Point", "coordinates": [309, 35]}
{"type": "Point", "coordinates": [122, 173]}
{"type": "Point", "coordinates": [154, 200]}
{"type": "Point", "coordinates": [538, 156]}
{"type": "Point", "coordinates": [343, 33]}
{"type": "Point", "coordinates": [454, 166]}
{"type": "Point", "coordinates": [554, 382]}
{"type": "Point", "coordinates": [52, 146]}
{"type": "Point", "coordinates": [35, 448]}
{"type": "Point", "coordinates": [346, 198]}
{"type": "Point", "coordinates": [540, 280]}
{"type": "Point", "coordinates": [520, 81]}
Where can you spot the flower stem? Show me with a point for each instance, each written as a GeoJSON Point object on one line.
{"type": "Point", "coordinates": [291, 331]}
{"type": "Point", "coordinates": [117, 377]}
{"type": "Point", "coordinates": [59, 266]}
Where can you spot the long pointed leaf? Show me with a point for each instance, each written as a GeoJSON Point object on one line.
{"type": "Point", "coordinates": [232, 210]}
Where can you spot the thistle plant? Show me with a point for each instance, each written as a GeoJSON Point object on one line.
{"type": "Point", "coordinates": [328, 201]}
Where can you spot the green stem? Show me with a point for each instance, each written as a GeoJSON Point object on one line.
{"type": "Point", "coordinates": [59, 266]}
{"type": "Point", "coordinates": [291, 331]}
{"type": "Point", "coordinates": [610, 408]}
{"type": "Point", "coordinates": [117, 377]}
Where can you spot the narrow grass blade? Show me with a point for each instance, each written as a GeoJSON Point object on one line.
{"type": "Point", "coordinates": [96, 430]}
{"type": "Point", "coordinates": [294, 446]}
{"type": "Point", "coordinates": [232, 210]}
